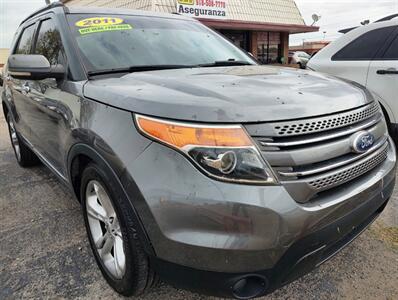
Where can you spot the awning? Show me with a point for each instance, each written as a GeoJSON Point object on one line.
{"type": "Point", "coordinates": [259, 26]}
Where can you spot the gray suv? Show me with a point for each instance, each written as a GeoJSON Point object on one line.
{"type": "Point", "coordinates": [192, 163]}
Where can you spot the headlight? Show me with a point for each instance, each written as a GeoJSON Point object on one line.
{"type": "Point", "coordinates": [223, 152]}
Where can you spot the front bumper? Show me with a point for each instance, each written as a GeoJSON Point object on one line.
{"type": "Point", "coordinates": [207, 235]}
{"type": "Point", "coordinates": [301, 257]}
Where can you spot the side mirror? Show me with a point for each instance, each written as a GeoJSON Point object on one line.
{"type": "Point", "coordinates": [33, 67]}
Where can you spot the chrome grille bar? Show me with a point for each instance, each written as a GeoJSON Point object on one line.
{"type": "Point", "coordinates": [379, 145]}
{"type": "Point", "coordinates": [350, 172]}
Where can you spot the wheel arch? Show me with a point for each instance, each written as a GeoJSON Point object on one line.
{"type": "Point", "coordinates": [80, 155]}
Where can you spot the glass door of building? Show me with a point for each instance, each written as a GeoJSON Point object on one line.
{"type": "Point", "coordinates": [269, 47]}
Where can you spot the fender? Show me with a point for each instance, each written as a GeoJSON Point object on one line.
{"type": "Point", "coordinates": [386, 107]}
{"type": "Point", "coordinates": [88, 151]}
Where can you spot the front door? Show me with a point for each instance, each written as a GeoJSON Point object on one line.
{"type": "Point", "coordinates": [18, 90]}
{"type": "Point", "coordinates": [48, 98]}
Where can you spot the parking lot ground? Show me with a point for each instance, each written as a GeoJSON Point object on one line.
{"type": "Point", "coordinates": [44, 252]}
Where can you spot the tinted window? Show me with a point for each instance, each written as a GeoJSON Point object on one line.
{"type": "Point", "coordinates": [366, 46]}
{"type": "Point", "coordinates": [392, 52]}
{"type": "Point", "coordinates": [49, 43]}
{"type": "Point", "coordinates": [25, 42]}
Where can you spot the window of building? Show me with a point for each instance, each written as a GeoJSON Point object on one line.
{"type": "Point", "coordinates": [25, 42]}
{"type": "Point", "coordinates": [238, 38]}
{"type": "Point", "coordinates": [366, 46]}
{"type": "Point", "coordinates": [392, 51]}
{"type": "Point", "coordinates": [269, 47]}
{"type": "Point", "coordinates": [49, 43]}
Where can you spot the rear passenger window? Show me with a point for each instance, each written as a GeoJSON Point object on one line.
{"type": "Point", "coordinates": [366, 46]}
{"type": "Point", "coordinates": [392, 52]}
{"type": "Point", "coordinates": [25, 42]}
{"type": "Point", "coordinates": [49, 43]}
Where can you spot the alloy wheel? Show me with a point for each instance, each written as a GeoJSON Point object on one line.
{"type": "Point", "coordinates": [105, 229]}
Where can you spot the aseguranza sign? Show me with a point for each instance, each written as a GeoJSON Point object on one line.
{"type": "Point", "coordinates": [209, 9]}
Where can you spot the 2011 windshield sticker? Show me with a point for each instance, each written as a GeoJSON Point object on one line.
{"type": "Point", "coordinates": [101, 24]}
{"type": "Point", "coordinates": [98, 21]}
{"type": "Point", "coordinates": [95, 29]}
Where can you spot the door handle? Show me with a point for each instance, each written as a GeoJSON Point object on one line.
{"type": "Point", "coordinates": [387, 72]}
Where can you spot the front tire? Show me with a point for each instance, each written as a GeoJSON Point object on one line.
{"type": "Point", "coordinates": [24, 155]}
{"type": "Point", "coordinates": [110, 225]}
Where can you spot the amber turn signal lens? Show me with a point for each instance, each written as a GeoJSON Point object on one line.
{"type": "Point", "coordinates": [181, 135]}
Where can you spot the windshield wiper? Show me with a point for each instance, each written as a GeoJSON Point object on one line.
{"type": "Point", "coordinates": [226, 63]}
{"type": "Point", "coordinates": [138, 69]}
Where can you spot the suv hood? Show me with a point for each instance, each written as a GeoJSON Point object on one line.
{"type": "Point", "coordinates": [228, 94]}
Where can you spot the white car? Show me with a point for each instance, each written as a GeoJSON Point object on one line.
{"type": "Point", "coordinates": [367, 55]}
{"type": "Point", "coordinates": [300, 58]}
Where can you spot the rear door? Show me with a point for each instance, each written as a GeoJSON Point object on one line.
{"type": "Point", "coordinates": [352, 62]}
{"type": "Point", "coordinates": [18, 90]}
{"type": "Point", "coordinates": [383, 75]}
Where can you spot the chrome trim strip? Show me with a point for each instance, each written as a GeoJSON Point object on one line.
{"type": "Point", "coordinates": [49, 165]}
{"type": "Point", "coordinates": [340, 164]}
{"type": "Point", "coordinates": [19, 73]}
{"type": "Point", "coordinates": [322, 138]}
{"type": "Point", "coordinates": [43, 159]}
{"type": "Point", "coordinates": [346, 168]}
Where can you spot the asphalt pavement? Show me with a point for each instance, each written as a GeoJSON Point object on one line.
{"type": "Point", "coordinates": [44, 251]}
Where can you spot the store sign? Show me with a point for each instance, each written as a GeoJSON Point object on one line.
{"type": "Point", "coordinates": [206, 9]}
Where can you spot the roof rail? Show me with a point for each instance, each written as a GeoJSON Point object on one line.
{"type": "Point", "coordinates": [52, 5]}
{"type": "Point", "coordinates": [347, 30]}
{"type": "Point", "coordinates": [387, 18]}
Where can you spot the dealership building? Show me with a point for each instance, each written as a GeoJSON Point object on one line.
{"type": "Point", "coordinates": [261, 27]}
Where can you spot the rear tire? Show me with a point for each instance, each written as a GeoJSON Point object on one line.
{"type": "Point", "coordinates": [129, 273]}
{"type": "Point", "coordinates": [24, 155]}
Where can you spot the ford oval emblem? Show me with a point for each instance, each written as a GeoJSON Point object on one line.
{"type": "Point", "coordinates": [362, 141]}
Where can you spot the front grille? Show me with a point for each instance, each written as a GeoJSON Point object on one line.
{"type": "Point", "coordinates": [339, 178]}
{"type": "Point", "coordinates": [314, 155]}
{"type": "Point", "coordinates": [326, 123]}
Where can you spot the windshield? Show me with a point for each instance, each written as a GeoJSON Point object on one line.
{"type": "Point", "coordinates": [120, 41]}
{"type": "Point", "coordinates": [303, 55]}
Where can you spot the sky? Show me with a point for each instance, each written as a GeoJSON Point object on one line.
{"type": "Point", "coordinates": [340, 14]}
{"type": "Point", "coordinates": [12, 12]}
{"type": "Point", "coordinates": [335, 15]}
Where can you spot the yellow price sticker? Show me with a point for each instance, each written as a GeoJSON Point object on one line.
{"type": "Point", "coordinates": [188, 2]}
{"type": "Point", "coordinates": [98, 21]}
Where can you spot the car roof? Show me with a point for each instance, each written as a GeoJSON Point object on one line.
{"type": "Point", "coordinates": [59, 7]}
